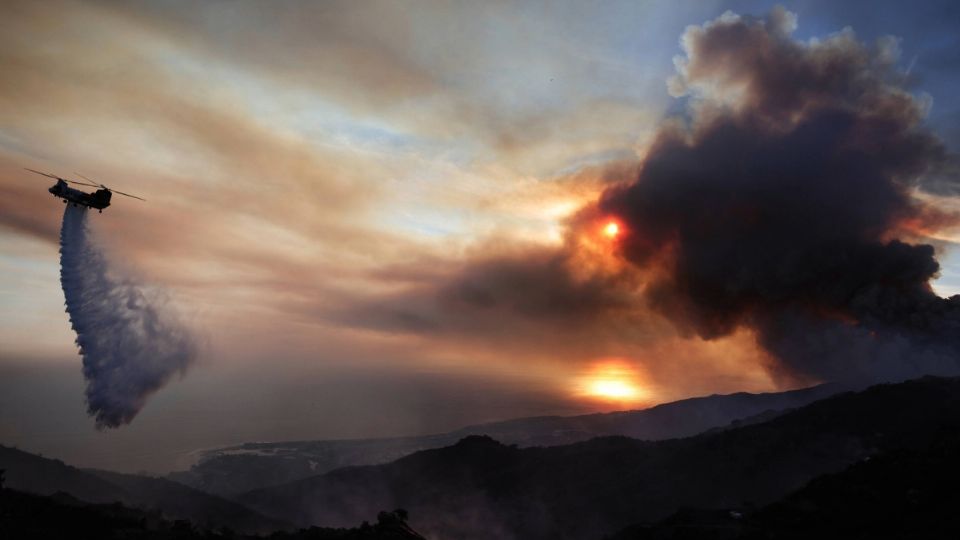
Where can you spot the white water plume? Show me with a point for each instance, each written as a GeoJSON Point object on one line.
{"type": "Point", "coordinates": [130, 342]}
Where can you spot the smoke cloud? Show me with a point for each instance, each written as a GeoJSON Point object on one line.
{"type": "Point", "coordinates": [130, 345]}
{"type": "Point", "coordinates": [785, 204]}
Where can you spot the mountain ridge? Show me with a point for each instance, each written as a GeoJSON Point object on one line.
{"type": "Point", "coordinates": [43, 476]}
{"type": "Point", "coordinates": [900, 494]}
{"type": "Point", "coordinates": [237, 469]}
{"type": "Point", "coordinates": [592, 488]}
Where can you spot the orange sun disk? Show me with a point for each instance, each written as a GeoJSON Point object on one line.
{"type": "Point", "coordinates": [612, 229]}
{"type": "Point", "coordinates": [613, 381]}
{"type": "Point", "coordinates": [613, 389]}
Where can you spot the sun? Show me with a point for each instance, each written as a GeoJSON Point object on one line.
{"type": "Point", "coordinates": [612, 229]}
{"type": "Point", "coordinates": [613, 381]}
{"type": "Point", "coordinates": [615, 389]}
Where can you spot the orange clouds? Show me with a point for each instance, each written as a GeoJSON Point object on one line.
{"type": "Point", "coordinates": [340, 175]}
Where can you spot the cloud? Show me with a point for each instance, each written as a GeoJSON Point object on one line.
{"type": "Point", "coordinates": [570, 298]}
{"type": "Point", "coordinates": [783, 214]}
{"type": "Point", "coordinates": [359, 173]}
{"type": "Point", "coordinates": [500, 294]}
{"type": "Point", "coordinates": [785, 205]}
{"type": "Point", "coordinates": [502, 86]}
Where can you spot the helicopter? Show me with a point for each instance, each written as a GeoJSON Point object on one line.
{"type": "Point", "coordinates": [98, 200]}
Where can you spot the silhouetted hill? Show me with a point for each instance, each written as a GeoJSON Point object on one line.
{"type": "Point", "coordinates": [233, 470]}
{"type": "Point", "coordinates": [906, 493]}
{"type": "Point", "coordinates": [480, 488]}
{"type": "Point", "coordinates": [35, 474]}
{"type": "Point", "coordinates": [666, 421]}
{"type": "Point", "coordinates": [902, 494]}
{"type": "Point", "coordinates": [26, 516]}
{"type": "Point", "coordinates": [182, 502]}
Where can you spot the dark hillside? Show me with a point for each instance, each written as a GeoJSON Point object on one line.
{"type": "Point", "coordinates": [35, 474]}
{"type": "Point", "coordinates": [233, 470]}
{"type": "Point", "coordinates": [597, 487]}
{"type": "Point", "coordinates": [24, 516]}
{"type": "Point", "coordinates": [907, 493]}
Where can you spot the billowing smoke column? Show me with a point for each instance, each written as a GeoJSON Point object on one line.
{"type": "Point", "coordinates": [131, 347]}
{"type": "Point", "coordinates": [785, 205]}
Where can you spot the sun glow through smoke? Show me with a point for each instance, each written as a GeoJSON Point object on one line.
{"type": "Point", "coordinates": [613, 380]}
{"type": "Point", "coordinates": [611, 230]}
{"type": "Point", "coordinates": [613, 389]}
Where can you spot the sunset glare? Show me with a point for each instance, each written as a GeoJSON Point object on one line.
{"type": "Point", "coordinates": [611, 230]}
{"type": "Point", "coordinates": [613, 380]}
{"type": "Point", "coordinates": [613, 389]}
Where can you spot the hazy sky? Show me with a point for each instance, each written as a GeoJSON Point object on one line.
{"type": "Point", "coordinates": [345, 199]}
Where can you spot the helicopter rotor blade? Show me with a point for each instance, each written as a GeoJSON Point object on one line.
{"type": "Point", "coordinates": [48, 175]}
{"type": "Point", "coordinates": [122, 193]}
{"type": "Point", "coordinates": [91, 182]}
{"type": "Point", "coordinates": [78, 183]}
{"type": "Point", "coordinates": [108, 189]}
{"type": "Point", "coordinates": [55, 177]}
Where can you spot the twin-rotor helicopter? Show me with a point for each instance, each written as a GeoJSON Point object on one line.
{"type": "Point", "coordinates": [98, 200]}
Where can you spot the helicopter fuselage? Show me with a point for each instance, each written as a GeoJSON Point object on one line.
{"type": "Point", "coordinates": [99, 199]}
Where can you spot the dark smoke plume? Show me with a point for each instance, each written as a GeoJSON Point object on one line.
{"type": "Point", "coordinates": [786, 204]}
{"type": "Point", "coordinates": [131, 347]}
